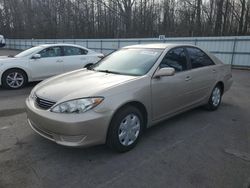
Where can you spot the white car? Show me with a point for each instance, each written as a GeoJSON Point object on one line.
{"type": "Point", "coordinates": [2, 41]}
{"type": "Point", "coordinates": [41, 62]}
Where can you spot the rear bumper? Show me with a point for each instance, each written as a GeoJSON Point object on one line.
{"type": "Point", "coordinates": [75, 130]}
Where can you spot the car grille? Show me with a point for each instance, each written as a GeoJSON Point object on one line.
{"type": "Point", "coordinates": [43, 103]}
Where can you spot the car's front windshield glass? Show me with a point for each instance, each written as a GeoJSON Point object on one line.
{"type": "Point", "coordinates": [131, 61]}
{"type": "Point", "coordinates": [29, 51]}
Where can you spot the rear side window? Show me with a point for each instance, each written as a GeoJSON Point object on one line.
{"type": "Point", "coordinates": [175, 58]}
{"type": "Point", "coordinates": [69, 51]}
{"type": "Point", "coordinates": [198, 58]}
{"type": "Point", "coordinates": [51, 52]}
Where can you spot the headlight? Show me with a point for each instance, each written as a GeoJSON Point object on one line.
{"type": "Point", "coordinates": [32, 95]}
{"type": "Point", "coordinates": [77, 105]}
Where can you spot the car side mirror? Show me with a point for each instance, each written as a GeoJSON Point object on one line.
{"type": "Point", "coordinates": [164, 72]}
{"type": "Point", "coordinates": [36, 56]}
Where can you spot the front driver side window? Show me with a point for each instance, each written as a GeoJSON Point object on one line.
{"type": "Point", "coordinates": [51, 52]}
{"type": "Point", "coordinates": [175, 58]}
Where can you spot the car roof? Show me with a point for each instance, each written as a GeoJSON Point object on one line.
{"type": "Point", "coordinates": [158, 45]}
{"type": "Point", "coordinates": [164, 46]}
{"type": "Point", "coordinates": [61, 44]}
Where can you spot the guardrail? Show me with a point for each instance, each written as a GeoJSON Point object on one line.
{"type": "Point", "coordinates": [231, 50]}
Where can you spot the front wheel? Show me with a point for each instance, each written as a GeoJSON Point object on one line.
{"type": "Point", "coordinates": [215, 98]}
{"type": "Point", "coordinates": [14, 79]}
{"type": "Point", "coordinates": [125, 129]}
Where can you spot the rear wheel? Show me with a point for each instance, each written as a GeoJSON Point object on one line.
{"type": "Point", "coordinates": [125, 129]}
{"type": "Point", "coordinates": [14, 79]}
{"type": "Point", "coordinates": [215, 98]}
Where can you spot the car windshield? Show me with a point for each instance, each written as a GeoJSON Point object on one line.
{"type": "Point", "coordinates": [29, 51]}
{"type": "Point", "coordinates": [136, 62]}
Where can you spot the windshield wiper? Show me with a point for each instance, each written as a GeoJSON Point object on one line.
{"type": "Point", "coordinates": [108, 71]}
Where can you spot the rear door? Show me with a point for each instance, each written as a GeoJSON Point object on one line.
{"type": "Point", "coordinates": [75, 58]}
{"type": "Point", "coordinates": [203, 74]}
{"type": "Point", "coordinates": [171, 93]}
{"type": "Point", "coordinates": [50, 63]}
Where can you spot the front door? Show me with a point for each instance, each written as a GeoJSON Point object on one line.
{"type": "Point", "coordinates": [50, 63]}
{"type": "Point", "coordinates": [171, 93]}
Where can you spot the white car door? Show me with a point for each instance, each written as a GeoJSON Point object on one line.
{"type": "Point", "coordinates": [77, 58]}
{"type": "Point", "coordinates": [49, 64]}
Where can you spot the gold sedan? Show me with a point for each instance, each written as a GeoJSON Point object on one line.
{"type": "Point", "coordinates": [132, 89]}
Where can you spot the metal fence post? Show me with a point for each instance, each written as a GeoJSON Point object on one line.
{"type": "Point", "coordinates": [118, 44]}
{"type": "Point", "coordinates": [233, 52]}
{"type": "Point", "coordinates": [101, 46]}
{"type": "Point", "coordinates": [87, 43]}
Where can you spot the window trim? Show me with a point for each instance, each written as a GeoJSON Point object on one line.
{"type": "Point", "coordinates": [201, 51]}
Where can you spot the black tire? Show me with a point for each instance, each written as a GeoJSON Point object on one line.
{"type": "Point", "coordinates": [21, 75]}
{"type": "Point", "coordinates": [212, 103]}
{"type": "Point", "coordinates": [113, 140]}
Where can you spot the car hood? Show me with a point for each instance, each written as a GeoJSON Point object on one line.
{"type": "Point", "coordinates": [78, 84]}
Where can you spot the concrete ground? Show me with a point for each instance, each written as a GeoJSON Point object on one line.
{"type": "Point", "coordinates": [195, 149]}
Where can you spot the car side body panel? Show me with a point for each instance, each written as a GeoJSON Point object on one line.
{"type": "Point", "coordinates": [42, 68]}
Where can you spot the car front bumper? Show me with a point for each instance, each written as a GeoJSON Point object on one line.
{"type": "Point", "coordinates": [75, 130]}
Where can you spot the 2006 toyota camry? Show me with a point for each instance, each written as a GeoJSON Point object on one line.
{"type": "Point", "coordinates": [126, 92]}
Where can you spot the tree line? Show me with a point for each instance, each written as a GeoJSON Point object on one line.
{"type": "Point", "coordinates": [123, 18]}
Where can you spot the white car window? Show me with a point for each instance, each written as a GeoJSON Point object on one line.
{"type": "Point", "coordinates": [69, 51]}
{"type": "Point", "coordinates": [51, 52]}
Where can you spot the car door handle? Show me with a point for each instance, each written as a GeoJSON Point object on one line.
{"type": "Point", "coordinates": [59, 60]}
{"type": "Point", "coordinates": [188, 78]}
{"type": "Point", "coordinates": [214, 71]}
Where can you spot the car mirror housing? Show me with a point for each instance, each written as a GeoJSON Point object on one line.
{"type": "Point", "coordinates": [164, 72]}
{"type": "Point", "coordinates": [36, 56]}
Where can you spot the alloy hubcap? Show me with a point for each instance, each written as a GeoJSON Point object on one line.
{"type": "Point", "coordinates": [129, 129]}
{"type": "Point", "coordinates": [15, 80]}
{"type": "Point", "coordinates": [216, 96]}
